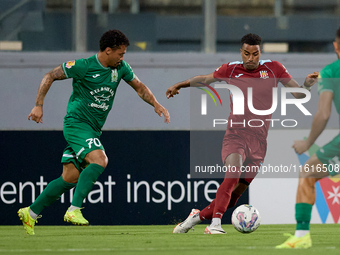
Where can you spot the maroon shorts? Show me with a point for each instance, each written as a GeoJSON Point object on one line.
{"type": "Point", "coordinates": [250, 147]}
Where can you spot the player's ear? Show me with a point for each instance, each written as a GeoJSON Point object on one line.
{"type": "Point", "coordinates": [108, 50]}
{"type": "Point", "coordinates": [336, 46]}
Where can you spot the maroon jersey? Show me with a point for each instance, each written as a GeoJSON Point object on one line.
{"type": "Point", "coordinates": [262, 81]}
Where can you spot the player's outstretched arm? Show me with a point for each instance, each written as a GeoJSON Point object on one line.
{"type": "Point", "coordinates": [319, 122]}
{"type": "Point", "coordinates": [37, 111]}
{"type": "Point", "coordinates": [196, 81]}
{"type": "Point", "coordinates": [145, 93]}
{"type": "Point", "coordinates": [310, 80]}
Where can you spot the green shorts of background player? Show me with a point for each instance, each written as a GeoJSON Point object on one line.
{"type": "Point", "coordinates": [95, 81]}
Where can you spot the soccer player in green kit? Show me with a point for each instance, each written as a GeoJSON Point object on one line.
{"type": "Point", "coordinates": [325, 161]}
{"type": "Point", "coordinates": [95, 81]}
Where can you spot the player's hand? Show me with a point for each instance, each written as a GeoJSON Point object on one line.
{"type": "Point", "coordinates": [160, 110]}
{"type": "Point", "coordinates": [301, 146]}
{"type": "Point", "coordinates": [36, 114]}
{"type": "Point", "coordinates": [311, 79]}
{"type": "Point", "coordinates": [172, 91]}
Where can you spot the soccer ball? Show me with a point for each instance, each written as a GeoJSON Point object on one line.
{"type": "Point", "coordinates": [246, 218]}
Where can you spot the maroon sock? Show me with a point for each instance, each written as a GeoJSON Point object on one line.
{"type": "Point", "coordinates": [224, 192]}
{"type": "Point", "coordinates": [206, 213]}
{"type": "Point", "coordinates": [233, 200]}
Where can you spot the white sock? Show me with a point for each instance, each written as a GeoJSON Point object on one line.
{"type": "Point", "coordinates": [301, 233]}
{"type": "Point", "coordinates": [33, 215]}
{"type": "Point", "coordinates": [215, 222]}
{"type": "Point", "coordinates": [72, 208]}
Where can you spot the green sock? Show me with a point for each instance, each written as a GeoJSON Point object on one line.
{"type": "Point", "coordinates": [51, 193]}
{"type": "Point", "coordinates": [87, 179]}
{"type": "Point", "coordinates": [303, 214]}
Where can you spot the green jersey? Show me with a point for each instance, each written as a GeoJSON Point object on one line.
{"type": "Point", "coordinates": [94, 89]}
{"type": "Point", "coordinates": [329, 80]}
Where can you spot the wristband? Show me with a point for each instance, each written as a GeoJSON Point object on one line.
{"type": "Point", "coordinates": [305, 87]}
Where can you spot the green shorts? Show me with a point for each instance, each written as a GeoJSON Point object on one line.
{"type": "Point", "coordinates": [329, 155]}
{"type": "Point", "coordinates": [81, 139]}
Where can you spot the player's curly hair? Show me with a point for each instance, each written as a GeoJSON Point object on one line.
{"type": "Point", "coordinates": [251, 39]}
{"type": "Point", "coordinates": [113, 39]}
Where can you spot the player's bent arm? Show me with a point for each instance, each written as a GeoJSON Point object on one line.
{"type": "Point", "coordinates": [196, 81]}
{"type": "Point", "coordinates": [145, 93]}
{"type": "Point", "coordinates": [55, 74]}
{"type": "Point", "coordinates": [293, 84]}
{"type": "Point", "coordinates": [309, 82]}
{"type": "Point", "coordinates": [321, 116]}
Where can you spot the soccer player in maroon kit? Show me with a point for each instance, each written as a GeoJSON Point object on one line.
{"type": "Point", "coordinates": [242, 146]}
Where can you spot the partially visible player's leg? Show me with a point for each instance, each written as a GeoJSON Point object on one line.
{"type": "Point", "coordinates": [97, 161]}
{"type": "Point", "coordinates": [306, 195]}
{"type": "Point", "coordinates": [233, 162]}
{"type": "Point", "coordinates": [241, 186]}
{"type": "Point", "coordinates": [305, 199]}
{"type": "Point", "coordinates": [90, 160]}
{"type": "Point", "coordinates": [239, 149]}
{"type": "Point", "coordinates": [237, 192]}
{"type": "Point", "coordinates": [50, 194]}
{"type": "Point", "coordinates": [223, 196]}
{"type": "Point", "coordinates": [232, 155]}
{"type": "Point", "coordinates": [56, 188]}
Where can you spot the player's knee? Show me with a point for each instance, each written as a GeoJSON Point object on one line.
{"type": "Point", "coordinates": [70, 178]}
{"type": "Point", "coordinates": [306, 186]}
{"type": "Point", "coordinates": [308, 173]}
{"type": "Point", "coordinates": [70, 173]}
{"type": "Point", "coordinates": [97, 157]}
{"type": "Point", "coordinates": [102, 160]}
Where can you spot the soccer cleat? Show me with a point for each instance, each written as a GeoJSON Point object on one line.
{"type": "Point", "coordinates": [213, 230]}
{"type": "Point", "coordinates": [296, 242]}
{"type": "Point", "coordinates": [184, 226]}
{"type": "Point", "coordinates": [27, 220]}
{"type": "Point", "coordinates": [75, 217]}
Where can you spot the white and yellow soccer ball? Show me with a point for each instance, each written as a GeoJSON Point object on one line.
{"type": "Point", "coordinates": [246, 219]}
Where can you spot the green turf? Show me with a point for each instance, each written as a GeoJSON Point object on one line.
{"type": "Point", "coordinates": [160, 240]}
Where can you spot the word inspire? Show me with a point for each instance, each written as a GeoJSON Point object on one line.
{"type": "Point", "coordinates": [159, 192]}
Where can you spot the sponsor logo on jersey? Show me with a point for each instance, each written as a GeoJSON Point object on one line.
{"type": "Point", "coordinates": [102, 98]}
{"type": "Point", "coordinates": [95, 76]}
{"type": "Point", "coordinates": [236, 76]}
{"type": "Point", "coordinates": [69, 64]}
{"type": "Point", "coordinates": [264, 74]}
{"type": "Point", "coordinates": [114, 75]}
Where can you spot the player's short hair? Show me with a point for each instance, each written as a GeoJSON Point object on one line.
{"type": "Point", "coordinates": [113, 39]}
{"type": "Point", "coordinates": [338, 33]}
{"type": "Point", "coordinates": [251, 39]}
